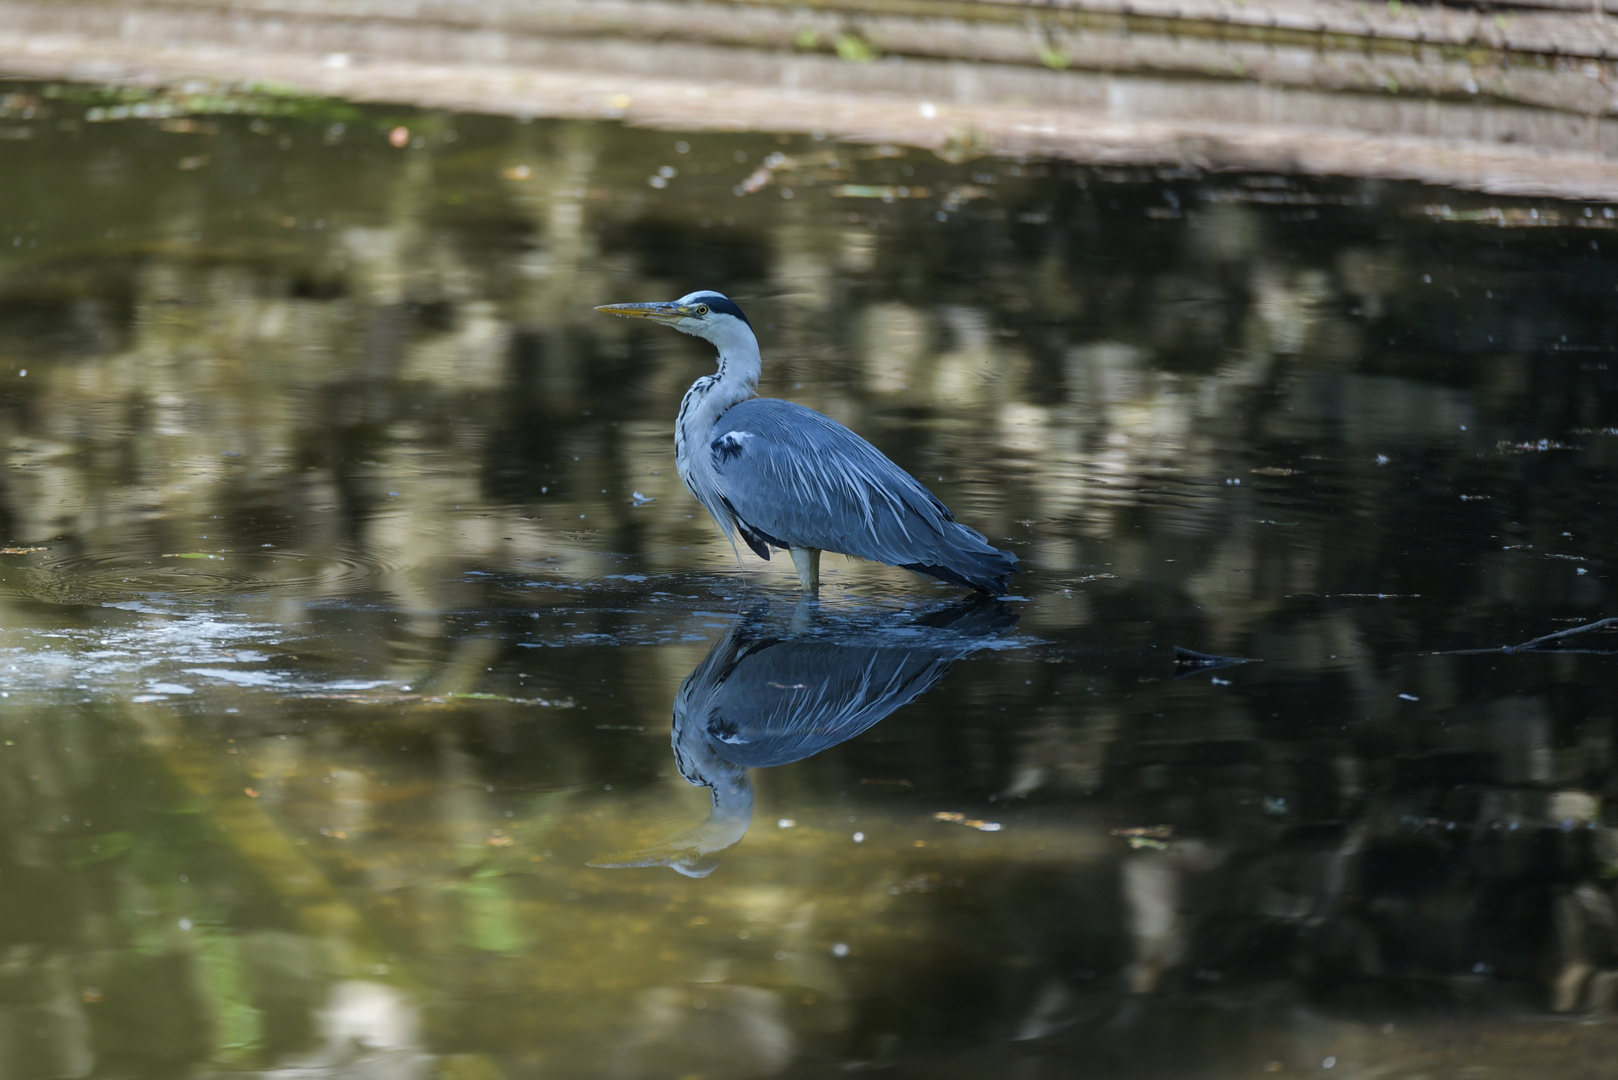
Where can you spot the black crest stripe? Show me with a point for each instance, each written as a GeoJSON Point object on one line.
{"type": "Point", "coordinates": [721, 304]}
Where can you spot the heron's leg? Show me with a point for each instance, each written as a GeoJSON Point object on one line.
{"type": "Point", "coordinates": [807, 561]}
{"type": "Point", "coordinates": [803, 613]}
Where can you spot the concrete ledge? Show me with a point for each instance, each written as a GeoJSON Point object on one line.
{"type": "Point", "coordinates": [991, 83]}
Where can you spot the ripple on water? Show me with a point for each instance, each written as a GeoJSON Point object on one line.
{"type": "Point", "coordinates": [107, 577]}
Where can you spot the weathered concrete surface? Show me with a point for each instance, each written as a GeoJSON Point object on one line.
{"type": "Point", "coordinates": [1522, 102]}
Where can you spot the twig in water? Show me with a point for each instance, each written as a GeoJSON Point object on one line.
{"type": "Point", "coordinates": [1540, 644]}
{"type": "Point", "coordinates": [1190, 662]}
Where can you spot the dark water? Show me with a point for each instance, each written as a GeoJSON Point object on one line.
{"type": "Point", "coordinates": [350, 592]}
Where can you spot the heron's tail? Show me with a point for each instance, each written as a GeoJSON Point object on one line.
{"type": "Point", "coordinates": [965, 558]}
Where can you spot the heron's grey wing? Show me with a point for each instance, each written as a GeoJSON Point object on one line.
{"type": "Point", "coordinates": [787, 700]}
{"type": "Point", "coordinates": [800, 479]}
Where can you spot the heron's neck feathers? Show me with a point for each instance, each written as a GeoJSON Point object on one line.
{"type": "Point", "coordinates": [708, 399]}
{"type": "Point", "coordinates": [739, 361]}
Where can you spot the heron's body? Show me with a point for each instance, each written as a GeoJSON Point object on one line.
{"type": "Point", "coordinates": [784, 476]}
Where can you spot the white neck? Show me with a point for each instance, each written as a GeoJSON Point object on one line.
{"type": "Point", "coordinates": [703, 405]}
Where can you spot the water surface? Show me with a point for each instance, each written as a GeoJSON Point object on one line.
{"type": "Point", "coordinates": [349, 595]}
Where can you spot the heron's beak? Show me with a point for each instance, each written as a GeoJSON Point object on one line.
{"type": "Point", "coordinates": [663, 312]}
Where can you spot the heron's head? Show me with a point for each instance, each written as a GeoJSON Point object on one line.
{"type": "Point", "coordinates": [708, 315]}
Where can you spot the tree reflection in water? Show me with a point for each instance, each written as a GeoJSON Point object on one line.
{"type": "Point", "coordinates": [768, 695]}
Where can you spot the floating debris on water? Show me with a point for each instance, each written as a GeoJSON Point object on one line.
{"type": "Point", "coordinates": [827, 160]}
{"type": "Point", "coordinates": [1153, 837]}
{"type": "Point", "coordinates": [961, 194]}
{"type": "Point", "coordinates": [885, 192]}
{"type": "Point", "coordinates": [1532, 447]}
{"type": "Point", "coordinates": [970, 823]}
{"type": "Point", "coordinates": [430, 699]}
{"type": "Point", "coordinates": [1191, 662]}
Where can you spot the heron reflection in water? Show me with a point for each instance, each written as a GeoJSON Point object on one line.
{"type": "Point", "coordinates": [762, 698]}
{"type": "Point", "coordinates": [784, 476]}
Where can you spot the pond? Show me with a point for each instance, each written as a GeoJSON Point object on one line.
{"type": "Point", "coordinates": [376, 701]}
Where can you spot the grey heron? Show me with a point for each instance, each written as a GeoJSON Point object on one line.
{"type": "Point", "coordinates": [769, 695]}
{"type": "Point", "coordinates": [785, 476]}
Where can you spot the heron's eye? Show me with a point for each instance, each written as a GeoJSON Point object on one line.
{"type": "Point", "coordinates": [702, 309]}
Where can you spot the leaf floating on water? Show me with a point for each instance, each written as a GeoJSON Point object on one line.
{"type": "Point", "coordinates": [970, 823]}
{"type": "Point", "coordinates": [21, 550]}
{"type": "Point", "coordinates": [885, 192]}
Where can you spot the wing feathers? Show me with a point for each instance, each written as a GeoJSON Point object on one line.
{"type": "Point", "coordinates": [795, 478]}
